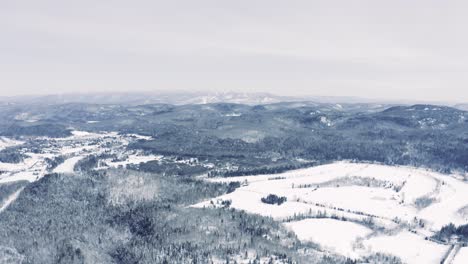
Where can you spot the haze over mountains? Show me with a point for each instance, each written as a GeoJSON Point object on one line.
{"type": "Point", "coordinates": [181, 98]}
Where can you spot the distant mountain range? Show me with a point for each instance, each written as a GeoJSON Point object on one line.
{"type": "Point", "coordinates": [138, 98]}
{"type": "Point", "coordinates": [462, 106]}
{"type": "Point", "coordinates": [183, 98]}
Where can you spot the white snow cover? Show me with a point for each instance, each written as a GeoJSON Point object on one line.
{"type": "Point", "coordinates": [389, 195]}
{"type": "Point", "coordinates": [140, 136]}
{"type": "Point", "coordinates": [462, 256]}
{"type": "Point", "coordinates": [133, 159]}
{"type": "Point", "coordinates": [342, 240]}
{"type": "Point", "coordinates": [81, 133]}
{"type": "Point", "coordinates": [30, 169]}
{"type": "Point", "coordinates": [325, 120]}
{"type": "Point", "coordinates": [68, 165]}
{"type": "Point", "coordinates": [84, 135]}
{"type": "Point", "coordinates": [411, 248]}
{"type": "Point", "coordinates": [233, 114]}
{"type": "Point", "coordinates": [71, 150]}
{"type": "Point", "coordinates": [26, 175]}
{"type": "Point", "coordinates": [10, 199]}
{"type": "Point", "coordinates": [7, 142]}
{"type": "Point", "coordinates": [447, 191]}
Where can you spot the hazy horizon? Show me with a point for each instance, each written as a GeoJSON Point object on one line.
{"type": "Point", "coordinates": [398, 50]}
{"type": "Point", "coordinates": [189, 97]}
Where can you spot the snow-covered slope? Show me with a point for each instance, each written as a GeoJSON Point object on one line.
{"type": "Point", "coordinates": [68, 165]}
{"type": "Point", "coordinates": [406, 202]}
{"type": "Point", "coordinates": [7, 142]}
{"type": "Point", "coordinates": [341, 240]}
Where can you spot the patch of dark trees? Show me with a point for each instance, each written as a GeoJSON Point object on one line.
{"type": "Point", "coordinates": [47, 129]}
{"type": "Point", "coordinates": [452, 233]}
{"type": "Point", "coordinates": [11, 155]}
{"type": "Point", "coordinates": [273, 199]}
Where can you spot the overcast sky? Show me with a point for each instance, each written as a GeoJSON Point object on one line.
{"type": "Point", "coordinates": [408, 49]}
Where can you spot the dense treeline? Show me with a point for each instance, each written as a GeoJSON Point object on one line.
{"type": "Point", "coordinates": [87, 163]}
{"type": "Point", "coordinates": [46, 129]}
{"type": "Point", "coordinates": [62, 219]}
{"type": "Point", "coordinates": [170, 168]}
{"type": "Point", "coordinates": [263, 169]}
{"type": "Point", "coordinates": [125, 216]}
{"type": "Point", "coordinates": [11, 155]}
{"type": "Point", "coordinates": [438, 151]}
{"type": "Point", "coordinates": [270, 137]}
{"type": "Point", "coordinates": [7, 189]}
{"type": "Point", "coordinates": [450, 232]}
{"type": "Point", "coordinates": [443, 153]}
{"type": "Point", "coordinates": [273, 199]}
{"type": "Point", "coordinates": [52, 163]}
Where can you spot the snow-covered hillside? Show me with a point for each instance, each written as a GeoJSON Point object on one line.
{"type": "Point", "coordinates": [391, 209]}
{"type": "Point", "coordinates": [68, 165]}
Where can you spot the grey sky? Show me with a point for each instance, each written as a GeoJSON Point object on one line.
{"type": "Point", "coordinates": [380, 49]}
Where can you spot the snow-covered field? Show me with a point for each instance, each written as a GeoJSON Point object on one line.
{"type": "Point", "coordinates": [7, 142]}
{"type": "Point", "coordinates": [411, 248]}
{"type": "Point", "coordinates": [130, 159]}
{"type": "Point", "coordinates": [30, 169]}
{"type": "Point", "coordinates": [68, 165]}
{"type": "Point", "coordinates": [343, 238]}
{"type": "Point", "coordinates": [396, 199]}
{"type": "Point", "coordinates": [462, 256]}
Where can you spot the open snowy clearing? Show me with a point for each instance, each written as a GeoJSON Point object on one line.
{"type": "Point", "coordinates": [342, 240]}
{"type": "Point", "coordinates": [383, 191]}
{"type": "Point", "coordinates": [137, 136]}
{"type": "Point", "coordinates": [7, 142]}
{"type": "Point", "coordinates": [30, 169]}
{"type": "Point", "coordinates": [411, 248]}
{"type": "Point", "coordinates": [68, 165]}
{"type": "Point", "coordinates": [462, 256]}
{"type": "Point", "coordinates": [391, 197]}
{"type": "Point", "coordinates": [131, 159]}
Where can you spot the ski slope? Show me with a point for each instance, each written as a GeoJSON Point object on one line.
{"type": "Point", "coordinates": [68, 165]}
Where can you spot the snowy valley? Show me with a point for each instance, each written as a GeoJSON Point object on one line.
{"type": "Point", "coordinates": [297, 182]}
